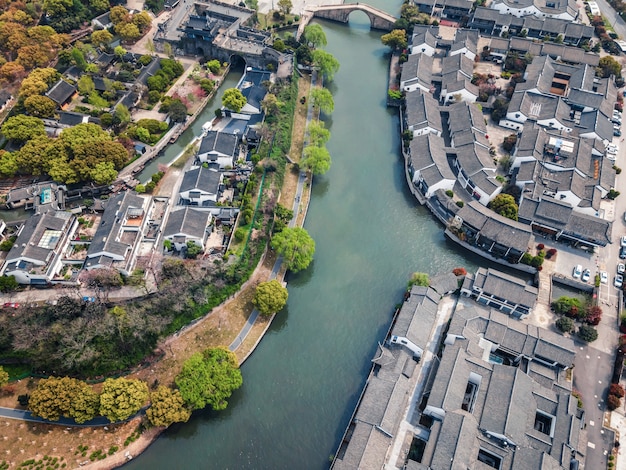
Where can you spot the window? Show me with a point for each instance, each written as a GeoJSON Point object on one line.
{"type": "Point", "coordinates": [544, 423]}
{"type": "Point", "coordinates": [492, 460]}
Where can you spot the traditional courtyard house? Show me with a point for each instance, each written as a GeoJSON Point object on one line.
{"type": "Point", "coordinates": [61, 93]}
{"type": "Point", "coordinates": [422, 114]}
{"type": "Point", "coordinates": [417, 73]}
{"type": "Point", "coordinates": [219, 148]}
{"type": "Point", "coordinates": [562, 9]}
{"type": "Point", "coordinates": [187, 225]}
{"type": "Point", "coordinates": [427, 165]}
{"type": "Point", "coordinates": [200, 187]}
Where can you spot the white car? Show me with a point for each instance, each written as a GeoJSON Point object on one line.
{"type": "Point", "coordinates": [621, 268]}
{"type": "Point", "coordinates": [578, 271]}
{"type": "Point", "coordinates": [586, 275]}
{"type": "Point", "coordinates": [619, 281]}
{"type": "Point", "coordinates": [611, 157]}
{"type": "Point", "coordinates": [612, 149]}
{"type": "Point", "coordinates": [622, 241]}
{"type": "Point", "coordinates": [604, 277]}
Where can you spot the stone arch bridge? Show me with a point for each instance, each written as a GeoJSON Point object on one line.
{"type": "Point", "coordinates": [341, 12]}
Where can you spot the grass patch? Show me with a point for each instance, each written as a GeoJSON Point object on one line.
{"type": "Point", "coordinates": [17, 371]}
{"type": "Point", "coordinates": [188, 152]}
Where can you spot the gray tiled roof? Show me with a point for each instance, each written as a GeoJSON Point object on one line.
{"type": "Point", "coordinates": [506, 286]}
{"type": "Point", "coordinates": [221, 142]}
{"type": "Point", "coordinates": [418, 66]}
{"type": "Point", "coordinates": [417, 316]}
{"type": "Point", "coordinates": [464, 116]}
{"type": "Point", "coordinates": [474, 158]}
{"type": "Point", "coordinates": [201, 178]}
{"type": "Point", "coordinates": [422, 110]}
{"type": "Point", "coordinates": [27, 243]}
{"type": "Point", "coordinates": [60, 92]}
{"type": "Point", "coordinates": [188, 221]}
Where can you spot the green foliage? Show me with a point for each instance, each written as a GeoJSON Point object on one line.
{"type": "Point", "coordinates": [193, 250]}
{"type": "Point", "coordinates": [613, 194]}
{"type": "Point", "coordinates": [233, 99]}
{"type": "Point", "coordinates": [449, 193]}
{"type": "Point", "coordinates": [419, 279]}
{"type": "Point", "coordinates": [567, 305]}
{"type": "Point", "coordinates": [295, 246]}
{"type": "Point", "coordinates": [394, 94]}
{"type": "Point", "coordinates": [395, 39]}
{"type": "Point", "coordinates": [121, 398]}
{"type": "Point", "coordinates": [327, 63]}
{"type": "Point", "coordinates": [208, 379]}
{"type": "Point", "coordinates": [167, 407]}
{"type": "Point", "coordinates": [63, 396]}
{"type": "Point", "coordinates": [4, 377]}
{"type": "Point", "coordinates": [318, 134]}
{"type": "Point", "coordinates": [22, 128]}
{"type": "Point", "coordinates": [587, 333]}
{"type": "Point", "coordinates": [316, 160]}
{"type": "Point", "coordinates": [565, 324]}
{"type": "Point", "coordinates": [40, 106]}
{"type": "Point", "coordinates": [213, 66]}
{"type": "Point", "coordinates": [505, 205]}
{"type": "Point", "coordinates": [314, 35]}
{"type": "Point", "coordinates": [240, 234]}
{"type": "Point", "coordinates": [609, 66]}
{"type": "Point", "coordinates": [270, 297]}
{"type": "Point", "coordinates": [8, 283]}
{"type": "Point", "coordinates": [323, 100]}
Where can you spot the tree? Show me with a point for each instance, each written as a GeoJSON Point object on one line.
{"type": "Point", "coordinates": [588, 333]}
{"type": "Point", "coordinates": [233, 99]}
{"type": "Point", "coordinates": [142, 20]}
{"type": "Point", "coordinates": [314, 35]}
{"type": "Point", "coordinates": [104, 173]}
{"type": "Point", "coordinates": [419, 279]}
{"type": "Point", "coordinates": [270, 103]}
{"type": "Point", "coordinates": [565, 324]}
{"type": "Point", "coordinates": [57, 7]}
{"type": "Point", "coordinates": [55, 397]}
{"type": "Point", "coordinates": [86, 85]}
{"type": "Point", "coordinates": [128, 31]}
{"type": "Point", "coordinates": [270, 297]}
{"type": "Point", "coordinates": [22, 128]}
{"type": "Point", "coordinates": [167, 407]}
{"type": "Point", "coordinates": [4, 377]}
{"type": "Point", "coordinates": [609, 66]}
{"type": "Point", "coordinates": [326, 62]}
{"type": "Point", "coordinates": [323, 100]}
{"type": "Point", "coordinates": [318, 134]}
{"type": "Point", "coordinates": [121, 398]}
{"type": "Point", "coordinates": [214, 66]}
{"type": "Point", "coordinates": [79, 58]}
{"type": "Point", "coordinates": [118, 14]}
{"type": "Point", "coordinates": [316, 160]}
{"type": "Point", "coordinates": [285, 6]}
{"type": "Point", "coordinates": [8, 283]}
{"type": "Point", "coordinates": [119, 51]}
{"type": "Point", "coordinates": [295, 246]}
{"type": "Point", "coordinates": [396, 39]}
{"type": "Point", "coordinates": [177, 111]}
{"type": "Point", "coordinates": [40, 106]}
{"type": "Point", "coordinates": [504, 204]}
{"type": "Point", "coordinates": [193, 250]}
{"type": "Point", "coordinates": [209, 379]}
{"type": "Point", "coordinates": [101, 37]}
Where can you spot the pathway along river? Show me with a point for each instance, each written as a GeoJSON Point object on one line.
{"type": "Point", "coordinates": [303, 381]}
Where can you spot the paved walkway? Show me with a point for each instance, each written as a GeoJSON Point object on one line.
{"type": "Point", "coordinates": [25, 415]}
{"type": "Point", "coordinates": [238, 341]}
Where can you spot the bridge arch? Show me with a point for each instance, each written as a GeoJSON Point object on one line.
{"type": "Point", "coordinates": [341, 12]}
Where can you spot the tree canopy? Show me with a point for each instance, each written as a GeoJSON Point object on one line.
{"type": "Point", "coordinates": [285, 6]}
{"type": "Point", "coordinates": [270, 297]}
{"type": "Point", "coordinates": [419, 279]}
{"type": "Point", "coordinates": [315, 159]}
{"type": "Point", "coordinates": [609, 66]}
{"type": "Point", "coordinates": [40, 106]}
{"type": "Point", "coordinates": [396, 39]}
{"type": "Point", "coordinates": [318, 134]}
{"type": "Point", "coordinates": [315, 35]}
{"type": "Point", "coordinates": [233, 99]}
{"type": "Point", "coordinates": [323, 100]}
{"type": "Point", "coordinates": [64, 396]}
{"type": "Point", "coordinates": [505, 205]}
{"type": "Point", "coordinates": [22, 128]}
{"type": "Point", "coordinates": [326, 62]}
{"type": "Point", "coordinates": [296, 247]}
{"type": "Point", "coordinates": [121, 398]}
{"type": "Point", "coordinates": [209, 379]}
{"type": "Point", "coordinates": [167, 407]}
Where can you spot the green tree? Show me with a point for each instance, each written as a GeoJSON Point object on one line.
{"type": "Point", "coordinates": [326, 62]}
{"type": "Point", "coordinates": [177, 111]}
{"type": "Point", "coordinates": [315, 159]}
{"type": "Point", "coordinates": [296, 247]}
{"type": "Point", "coordinates": [55, 397]}
{"type": "Point", "coordinates": [22, 128]}
{"type": "Point", "coordinates": [8, 283]}
{"type": "Point", "coordinates": [121, 398]}
{"type": "Point", "coordinates": [318, 134]}
{"type": "Point", "coordinates": [79, 58]}
{"type": "Point", "coordinates": [609, 66]}
{"type": "Point", "coordinates": [104, 173]}
{"type": "Point", "coordinates": [142, 20]}
{"type": "Point", "coordinates": [396, 39]}
{"type": "Point", "coordinates": [214, 66]}
{"type": "Point", "coordinates": [128, 31]}
{"type": "Point", "coordinates": [270, 297]}
{"type": "Point", "coordinates": [119, 51]}
{"type": "Point", "coordinates": [193, 250]}
{"type": "Point", "coordinates": [167, 407]}
{"type": "Point", "coordinates": [118, 14]}
{"type": "Point", "coordinates": [323, 100]}
{"type": "Point", "coordinates": [8, 164]}
{"type": "Point", "coordinates": [587, 333]}
{"type": "Point", "coordinates": [209, 379]}
{"type": "Point", "coordinates": [57, 7]}
{"type": "Point", "coordinates": [505, 205]}
{"type": "Point", "coordinates": [233, 99]}
{"type": "Point", "coordinates": [314, 35]}
{"type": "Point", "coordinates": [565, 324]}
{"type": "Point", "coordinates": [419, 279]}
{"type": "Point", "coordinates": [4, 377]}
{"type": "Point", "coordinates": [101, 37]}
{"type": "Point", "coordinates": [270, 104]}
{"type": "Point", "coordinates": [40, 106]}
{"type": "Point", "coordinates": [121, 114]}
{"type": "Point", "coordinates": [85, 85]}
{"type": "Point", "coordinates": [285, 6]}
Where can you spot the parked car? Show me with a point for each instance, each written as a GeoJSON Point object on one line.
{"type": "Point", "coordinates": [612, 149]}
{"type": "Point", "coordinates": [586, 275]}
{"type": "Point", "coordinates": [88, 299]}
{"type": "Point", "coordinates": [617, 133]}
{"type": "Point", "coordinates": [619, 281]}
{"type": "Point", "coordinates": [617, 114]}
{"type": "Point", "coordinates": [604, 277]}
{"type": "Point", "coordinates": [621, 268]}
{"type": "Point", "coordinates": [622, 240]}
{"type": "Point", "coordinates": [622, 252]}
{"type": "Point", "coordinates": [578, 271]}
{"type": "Point", "coordinates": [11, 305]}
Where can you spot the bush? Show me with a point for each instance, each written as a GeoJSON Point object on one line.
{"type": "Point", "coordinates": [617, 390]}
{"type": "Point", "coordinates": [551, 252]}
{"type": "Point", "coordinates": [240, 234]}
{"type": "Point", "coordinates": [594, 315]}
{"type": "Point", "coordinates": [460, 203]}
{"type": "Point", "coordinates": [613, 402]}
{"type": "Point", "coordinates": [459, 271]}
{"type": "Point", "coordinates": [540, 246]}
{"type": "Point", "coordinates": [587, 333]}
{"type": "Point", "coordinates": [449, 193]}
{"type": "Point", "coordinates": [526, 258]}
{"type": "Point", "coordinates": [565, 324]}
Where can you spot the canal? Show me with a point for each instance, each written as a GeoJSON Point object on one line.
{"type": "Point", "coordinates": [303, 381]}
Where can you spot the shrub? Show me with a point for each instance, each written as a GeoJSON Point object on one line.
{"type": "Point", "coordinates": [459, 271]}
{"type": "Point", "coordinates": [617, 390]}
{"type": "Point", "coordinates": [540, 246]}
{"type": "Point", "coordinates": [565, 324]}
{"type": "Point", "coordinates": [613, 402]}
{"type": "Point", "coordinates": [594, 315]}
{"type": "Point", "coordinates": [587, 333]}
{"type": "Point", "coordinates": [526, 259]}
{"type": "Point", "coordinates": [449, 193]}
{"type": "Point", "coordinates": [460, 203]}
{"type": "Point", "coordinates": [550, 253]}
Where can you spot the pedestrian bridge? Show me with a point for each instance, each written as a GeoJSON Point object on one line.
{"type": "Point", "coordinates": [341, 12]}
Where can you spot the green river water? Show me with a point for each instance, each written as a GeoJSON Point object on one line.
{"type": "Point", "coordinates": [303, 381]}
